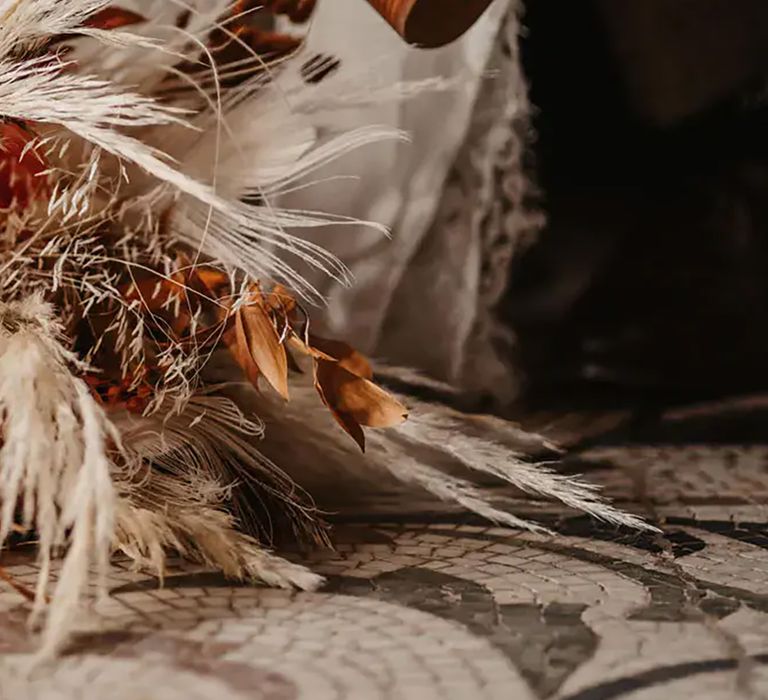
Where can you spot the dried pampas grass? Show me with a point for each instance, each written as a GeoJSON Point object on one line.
{"type": "Point", "coordinates": [55, 472]}
{"type": "Point", "coordinates": [161, 386]}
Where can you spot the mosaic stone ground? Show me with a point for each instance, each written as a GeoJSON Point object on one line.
{"type": "Point", "coordinates": [430, 605]}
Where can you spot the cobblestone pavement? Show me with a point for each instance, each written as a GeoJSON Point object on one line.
{"type": "Point", "coordinates": [443, 606]}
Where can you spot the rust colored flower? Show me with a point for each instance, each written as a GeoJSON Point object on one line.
{"type": "Point", "coordinates": [22, 168]}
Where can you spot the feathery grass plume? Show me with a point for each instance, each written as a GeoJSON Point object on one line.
{"type": "Point", "coordinates": [438, 450]}
{"type": "Point", "coordinates": [55, 475]}
{"type": "Point", "coordinates": [161, 386]}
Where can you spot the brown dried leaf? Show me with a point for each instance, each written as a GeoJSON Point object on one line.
{"type": "Point", "coordinates": [211, 290]}
{"type": "Point", "coordinates": [282, 301]}
{"type": "Point", "coordinates": [113, 17]}
{"type": "Point", "coordinates": [355, 401]}
{"type": "Point", "coordinates": [257, 348]}
{"type": "Point", "coordinates": [157, 295]}
{"type": "Point", "coordinates": [153, 292]}
{"type": "Point", "coordinates": [213, 281]}
{"type": "Point", "coordinates": [345, 355]}
{"type": "Point", "coordinates": [240, 354]}
{"type": "Point", "coordinates": [349, 358]}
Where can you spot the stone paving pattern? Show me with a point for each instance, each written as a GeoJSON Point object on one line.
{"type": "Point", "coordinates": [444, 606]}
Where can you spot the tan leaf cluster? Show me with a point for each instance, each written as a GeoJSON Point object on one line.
{"type": "Point", "coordinates": [343, 377]}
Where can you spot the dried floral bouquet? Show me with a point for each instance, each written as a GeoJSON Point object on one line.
{"type": "Point", "coordinates": [159, 374]}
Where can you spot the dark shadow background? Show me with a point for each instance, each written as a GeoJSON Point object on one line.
{"type": "Point", "coordinates": [650, 281]}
